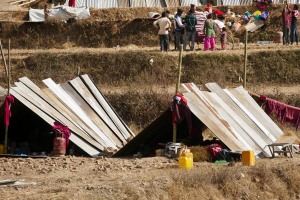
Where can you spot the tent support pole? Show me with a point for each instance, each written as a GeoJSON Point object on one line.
{"type": "Point", "coordinates": [177, 86]}
{"type": "Point", "coordinates": [245, 60]}
{"type": "Point", "coordinates": [8, 92]}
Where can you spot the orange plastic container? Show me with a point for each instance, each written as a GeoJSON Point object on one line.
{"type": "Point", "coordinates": [2, 149]}
{"type": "Point", "coordinates": [248, 158]}
{"type": "Point", "coordinates": [186, 159]}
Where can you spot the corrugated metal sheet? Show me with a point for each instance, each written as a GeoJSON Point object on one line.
{"type": "Point", "coordinates": [231, 2]}
{"type": "Point", "coordinates": [260, 133]}
{"type": "Point", "coordinates": [245, 2]}
{"type": "Point", "coordinates": [156, 3]}
{"type": "Point", "coordinates": [123, 3]}
{"type": "Point", "coordinates": [189, 2]}
{"type": "Point", "coordinates": [96, 3]}
{"type": "Point", "coordinates": [172, 3]}
{"type": "Point", "coordinates": [138, 3]}
{"type": "Point", "coordinates": [79, 105]}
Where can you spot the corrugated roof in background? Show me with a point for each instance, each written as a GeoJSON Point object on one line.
{"type": "Point", "coordinates": [172, 3]}
{"type": "Point", "coordinates": [123, 3]}
{"type": "Point", "coordinates": [231, 2]}
{"type": "Point", "coordinates": [245, 2]}
{"type": "Point", "coordinates": [107, 4]}
{"type": "Point", "coordinates": [138, 3]}
{"type": "Point", "coordinates": [189, 2]}
{"type": "Point", "coordinates": [156, 3]}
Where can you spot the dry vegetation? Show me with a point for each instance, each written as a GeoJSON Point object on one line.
{"type": "Point", "coordinates": [150, 178]}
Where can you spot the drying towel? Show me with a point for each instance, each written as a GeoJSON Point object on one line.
{"type": "Point", "coordinates": [180, 111]}
{"type": "Point", "coordinates": [72, 3]}
{"type": "Point", "coordinates": [63, 129]}
{"type": "Point", "coordinates": [285, 112]}
{"type": "Point", "coordinates": [7, 113]}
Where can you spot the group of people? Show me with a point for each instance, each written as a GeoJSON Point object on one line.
{"type": "Point", "coordinates": [290, 15]}
{"type": "Point", "coordinates": [189, 27]}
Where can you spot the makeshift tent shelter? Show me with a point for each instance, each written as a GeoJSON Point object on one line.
{"type": "Point", "coordinates": [232, 115]}
{"type": "Point", "coordinates": [80, 105]}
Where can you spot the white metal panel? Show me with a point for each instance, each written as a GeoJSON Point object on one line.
{"type": "Point", "coordinates": [107, 107]}
{"type": "Point", "coordinates": [218, 126]}
{"type": "Point", "coordinates": [189, 2]}
{"type": "Point", "coordinates": [138, 3]}
{"type": "Point", "coordinates": [37, 110]}
{"type": "Point", "coordinates": [69, 102]}
{"type": "Point", "coordinates": [37, 100]}
{"type": "Point", "coordinates": [88, 96]}
{"type": "Point", "coordinates": [155, 3]}
{"type": "Point", "coordinates": [251, 121]}
{"type": "Point", "coordinates": [244, 133]}
{"type": "Point", "coordinates": [243, 96]}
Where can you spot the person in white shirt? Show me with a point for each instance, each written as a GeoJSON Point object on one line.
{"type": "Point", "coordinates": [164, 25]}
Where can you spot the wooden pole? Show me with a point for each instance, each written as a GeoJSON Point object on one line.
{"type": "Point", "coordinates": [3, 58]}
{"type": "Point", "coordinates": [177, 86]}
{"type": "Point", "coordinates": [245, 60]}
{"type": "Point", "coordinates": [8, 93]}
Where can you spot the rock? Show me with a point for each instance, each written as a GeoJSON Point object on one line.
{"type": "Point", "coordinates": [18, 173]}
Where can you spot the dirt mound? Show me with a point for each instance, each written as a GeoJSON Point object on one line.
{"type": "Point", "coordinates": [112, 27]}
{"type": "Point", "coordinates": [149, 178]}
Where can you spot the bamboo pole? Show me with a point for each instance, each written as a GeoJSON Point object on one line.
{"type": "Point", "coordinates": [245, 60]}
{"type": "Point", "coordinates": [177, 86]}
{"type": "Point", "coordinates": [3, 58]}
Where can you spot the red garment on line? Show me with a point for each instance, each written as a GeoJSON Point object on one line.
{"type": "Point", "coordinates": [72, 3]}
{"type": "Point", "coordinates": [285, 112]}
{"type": "Point", "coordinates": [7, 113]}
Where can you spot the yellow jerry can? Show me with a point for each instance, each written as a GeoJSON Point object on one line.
{"type": "Point", "coordinates": [248, 158]}
{"type": "Point", "coordinates": [185, 159]}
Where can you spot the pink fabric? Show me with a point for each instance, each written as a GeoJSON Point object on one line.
{"type": "Point", "coordinates": [72, 3]}
{"type": "Point", "coordinates": [180, 111]}
{"type": "Point", "coordinates": [63, 129]}
{"type": "Point", "coordinates": [285, 112]}
{"type": "Point", "coordinates": [7, 112]}
{"type": "Point", "coordinates": [209, 42]}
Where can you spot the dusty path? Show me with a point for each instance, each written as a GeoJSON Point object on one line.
{"type": "Point", "coordinates": [148, 178]}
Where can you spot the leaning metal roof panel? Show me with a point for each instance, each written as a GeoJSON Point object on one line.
{"type": "Point", "coordinates": [242, 121]}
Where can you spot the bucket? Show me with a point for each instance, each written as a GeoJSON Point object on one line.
{"type": "Point", "coordinates": [185, 159]}
{"type": "Point", "coordinates": [278, 37]}
{"type": "Point", "coordinates": [2, 149]}
{"type": "Point", "coordinates": [248, 158]}
{"type": "Point", "coordinates": [172, 149]}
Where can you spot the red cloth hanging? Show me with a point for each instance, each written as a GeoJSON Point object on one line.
{"type": "Point", "coordinates": [285, 112]}
{"type": "Point", "coordinates": [72, 3]}
{"type": "Point", "coordinates": [7, 113]}
{"type": "Point", "coordinates": [63, 129]}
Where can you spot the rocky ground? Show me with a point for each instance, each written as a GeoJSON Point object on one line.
{"type": "Point", "coordinates": [148, 178]}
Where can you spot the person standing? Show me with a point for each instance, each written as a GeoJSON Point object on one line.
{"type": "Point", "coordinates": [286, 29]}
{"type": "Point", "coordinates": [164, 25]}
{"type": "Point", "coordinates": [190, 23]}
{"type": "Point", "coordinates": [223, 38]}
{"type": "Point", "coordinates": [179, 28]}
{"type": "Point", "coordinates": [209, 29]}
{"type": "Point", "coordinates": [294, 25]}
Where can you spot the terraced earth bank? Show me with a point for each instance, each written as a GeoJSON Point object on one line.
{"type": "Point", "coordinates": [118, 48]}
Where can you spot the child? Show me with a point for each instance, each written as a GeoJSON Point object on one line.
{"type": "Point", "coordinates": [209, 29]}
{"type": "Point", "coordinates": [223, 38]}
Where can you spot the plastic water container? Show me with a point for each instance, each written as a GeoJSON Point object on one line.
{"type": "Point", "coordinates": [186, 159]}
{"type": "Point", "coordinates": [2, 149]}
{"type": "Point", "coordinates": [248, 158]}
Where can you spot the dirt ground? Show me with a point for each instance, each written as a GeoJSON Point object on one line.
{"type": "Point", "coordinates": [148, 178]}
{"type": "Point", "coordinates": [41, 50]}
